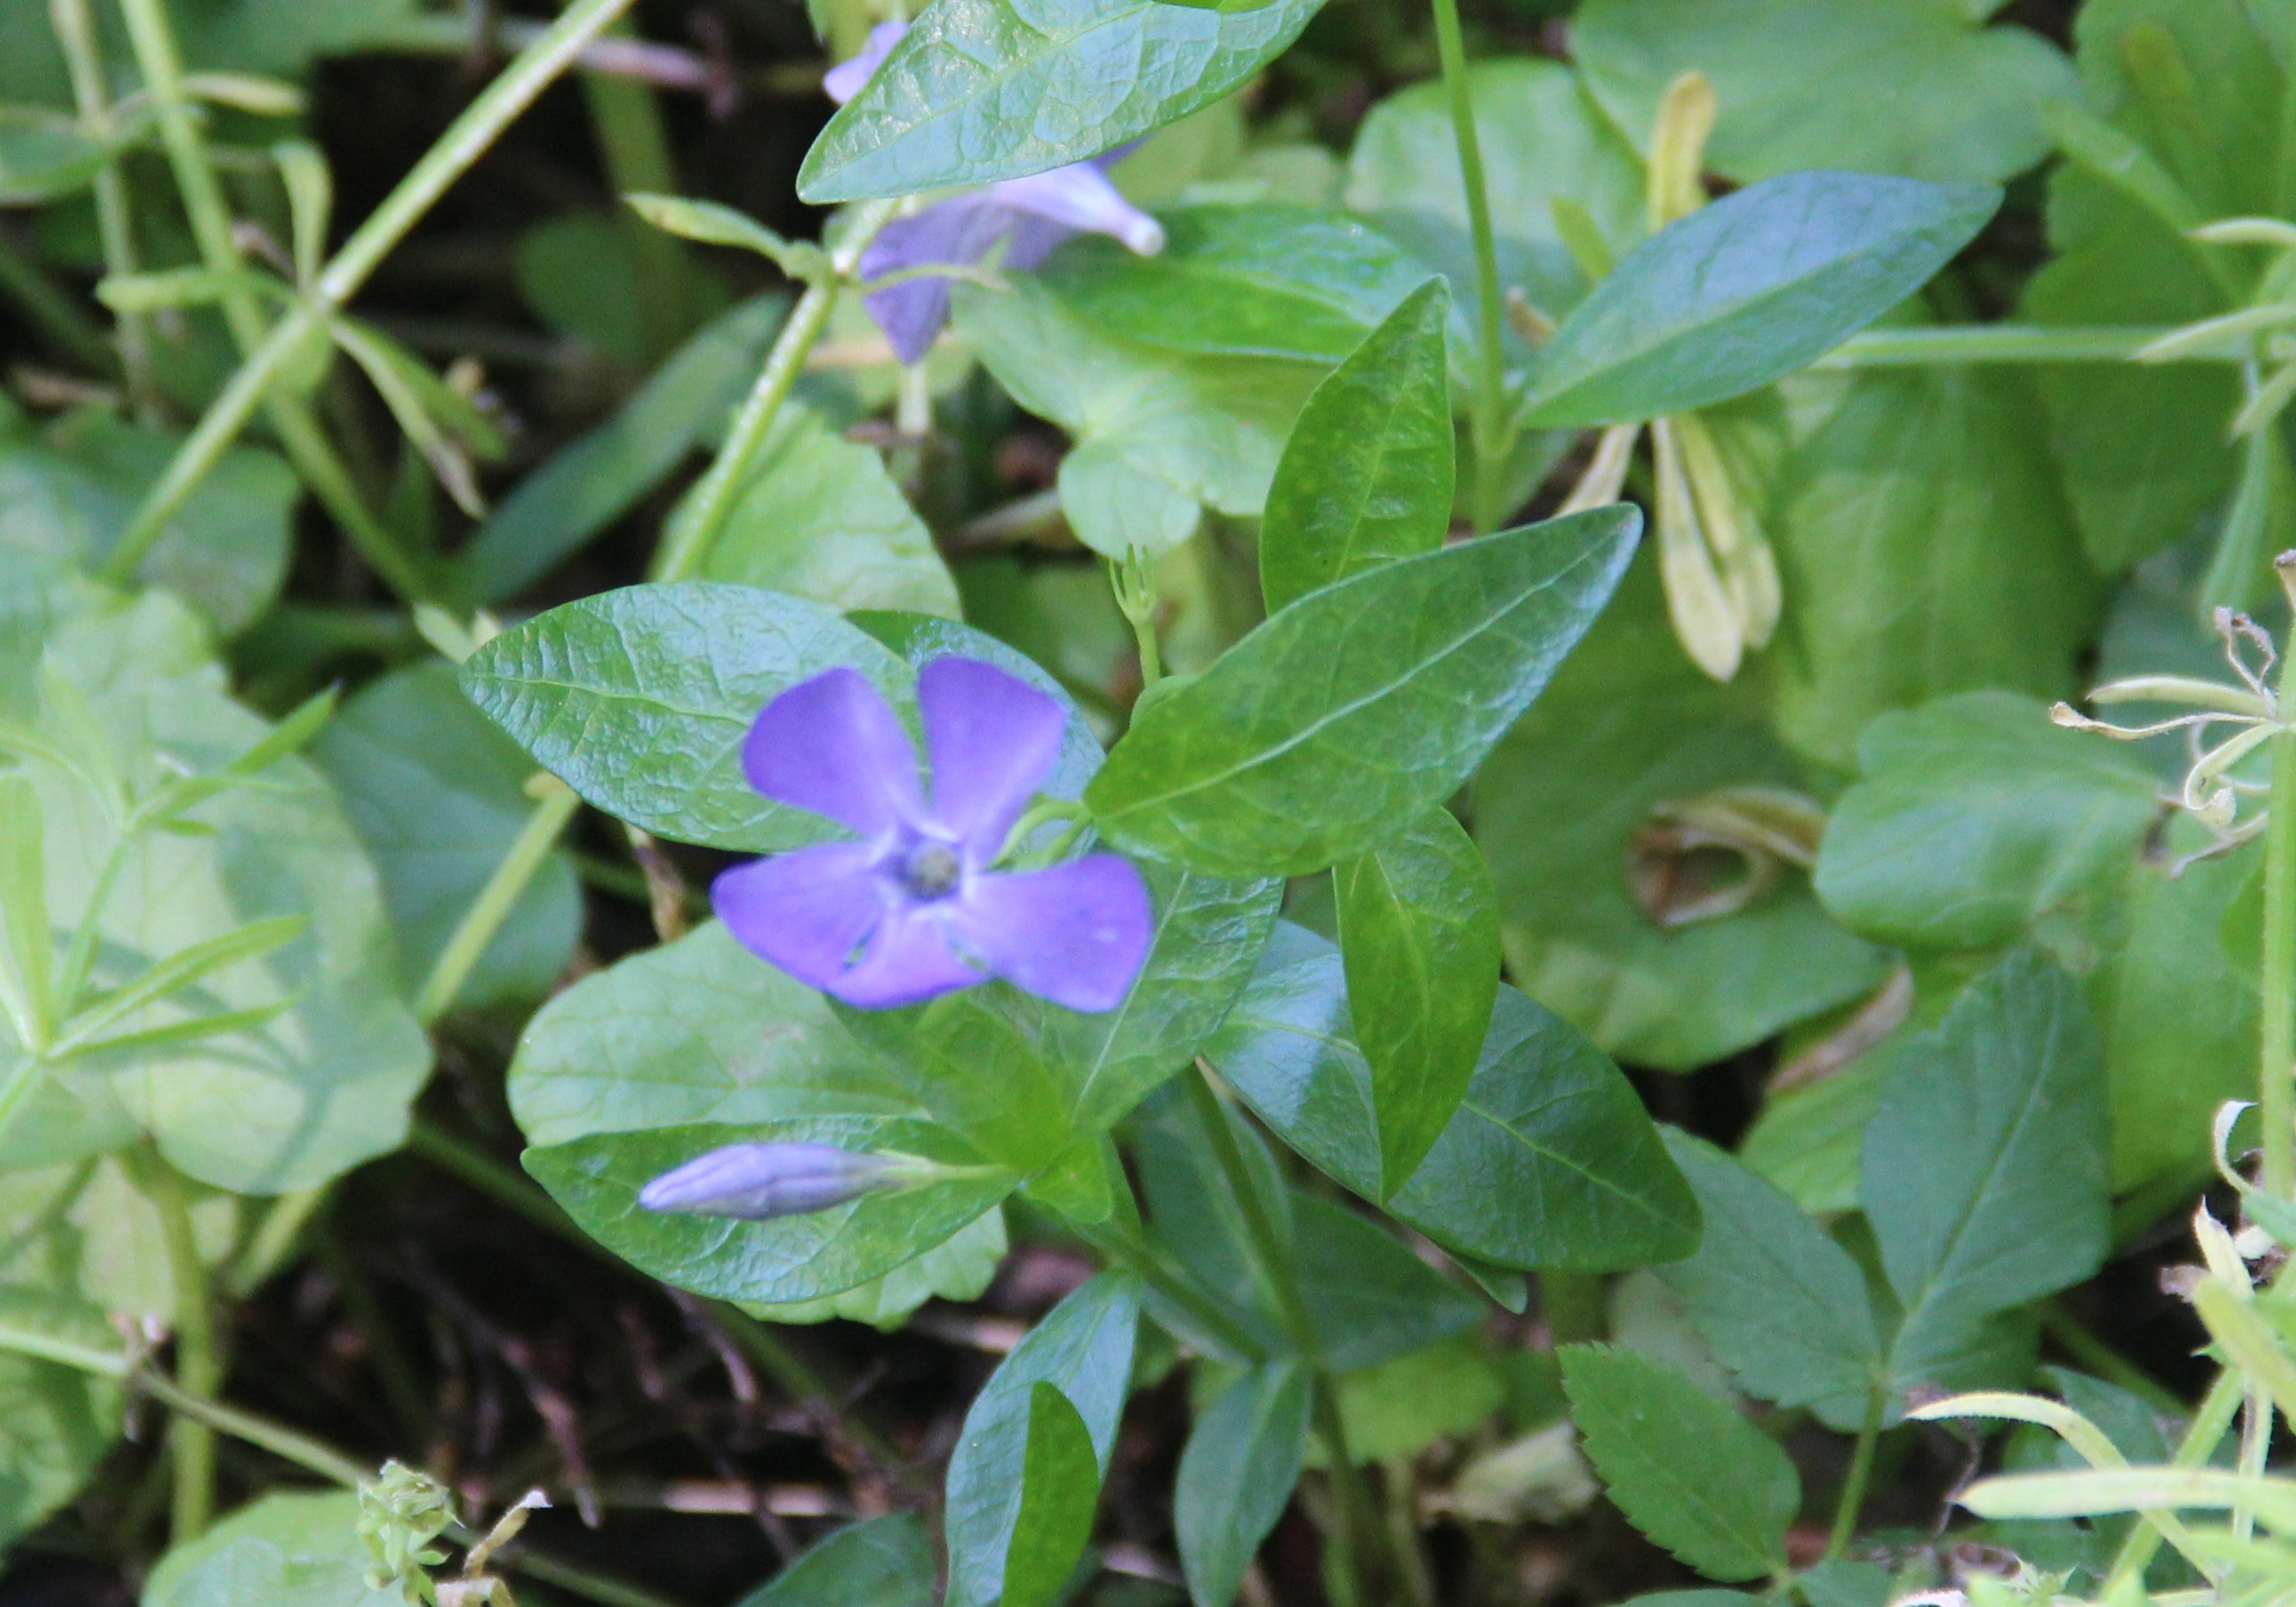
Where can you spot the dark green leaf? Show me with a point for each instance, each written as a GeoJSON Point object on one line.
{"type": "Point", "coordinates": [1419, 936]}
{"type": "Point", "coordinates": [1367, 475]}
{"type": "Point", "coordinates": [1060, 1487]}
{"type": "Point", "coordinates": [1084, 1350]}
{"type": "Point", "coordinates": [1096, 72]}
{"type": "Point", "coordinates": [1782, 1306]}
{"type": "Point", "coordinates": [1691, 1474]}
{"type": "Point", "coordinates": [1976, 818]}
{"type": "Point", "coordinates": [1550, 1160]}
{"type": "Point", "coordinates": [1362, 704]}
{"type": "Point", "coordinates": [878, 1563]}
{"type": "Point", "coordinates": [1984, 1168]}
{"type": "Point", "coordinates": [1748, 289]}
{"type": "Point", "coordinates": [1370, 1299]}
{"type": "Point", "coordinates": [1236, 1474]}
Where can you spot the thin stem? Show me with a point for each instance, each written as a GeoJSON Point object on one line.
{"type": "Point", "coordinates": [1135, 585]}
{"type": "Point", "coordinates": [75, 30]}
{"type": "Point", "coordinates": [2008, 343]}
{"type": "Point", "coordinates": [1861, 1474]}
{"type": "Point", "coordinates": [2255, 1450]}
{"type": "Point", "coordinates": [2098, 1358]}
{"type": "Point", "coordinates": [492, 906]}
{"type": "Point", "coordinates": [18, 1088]}
{"type": "Point", "coordinates": [2215, 1416]}
{"type": "Point", "coordinates": [2277, 1028]}
{"type": "Point", "coordinates": [199, 1367]}
{"type": "Point", "coordinates": [481, 123]}
{"type": "Point", "coordinates": [1487, 419]}
{"type": "Point", "coordinates": [685, 546]}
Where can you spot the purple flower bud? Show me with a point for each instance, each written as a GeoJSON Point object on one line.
{"type": "Point", "coordinates": [758, 1182]}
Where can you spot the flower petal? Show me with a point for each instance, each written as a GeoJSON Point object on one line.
{"type": "Point", "coordinates": [806, 912]}
{"type": "Point", "coordinates": [992, 738]}
{"type": "Point", "coordinates": [843, 81]}
{"type": "Point", "coordinates": [961, 230]}
{"type": "Point", "coordinates": [831, 745]}
{"type": "Point", "coordinates": [1082, 197]}
{"type": "Point", "coordinates": [1075, 933]}
{"type": "Point", "coordinates": [909, 960]}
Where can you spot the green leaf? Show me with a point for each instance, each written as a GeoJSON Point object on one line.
{"type": "Point", "coordinates": [1629, 725]}
{"type": "Point", "coordinates": [1369, 1299]}
{"type": "Point", "coordinates": [1975, 818]}
{"type": "Point", "coordinates": [1260, 766]}
{"type": "Point", "coordinates": [596, 1179]}
{"type": "Point", "coordinates": [585, 274]}
{"type": "Point", "coordinates": [1925, 539]}
{"type": "Point", "coordinates": [1084, 1350]}
{"type": "Point", "coordinates": [1690, 1473]}
{"type": "Point", "coordinates": [976, 1061]}
{"type": "Point", "coordinates": [1749, 289]}
{"type": "Point", "coordinates": [1397, 1409]}
{"type": "Point", "coordinates": [958, 1268]}
{"type": "Point", "coordinates": [697, 1030]}
{"type": "Point", "coordinates": [819, 517]}
{"type": "Point", "coordinates": [1782, 1306]}
{"type": "Point", "coordinates": [879, 1562]}
{"type": "Point", "coordinates": [1905, 86]}
{"type": "Point", "coordinates": [1159, 436]}
{"type": "Point", "coordinates": [1265, 279]}
{"type": "Point", "coordinates": [1984, 1168]}
{"type": "Point", "coordinates": [1060, 1487]}
{"type": "Point", "coordinates": [1550, 1160]}
{"type": "Point", "coordinates": [288, 1549]}
{"type": "Point", "coordinates": [1419, 936]}
{"type": "Point", "coordinates": [44, 156]}
{"type": "Point", "coordinates": [712, 222]}
{"type": "Point", "coordinates": [66, 494]}
{"type": "Point", "coordinates": [437, 794]}
{"type": "Point", "coordinates": [2141, 61]}
{"type": "Point", "coordinates": [28, 949]}
{"type": "Point", "coordinates": [1367, 475]}
{"type": "Point", "coordinates": [1236, 1473]}
{"type": "Point", "coordinates": [1097, 72]}
{"type": "Point", "coordinates": [56, 1422]}
{"type": "Point", "coordinates": [639, 699]}
{"type": "Point", "coordinates": [597, 478]}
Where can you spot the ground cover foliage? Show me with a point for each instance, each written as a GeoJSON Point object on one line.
{"type": "Point", "coordinates": [1137, 801]}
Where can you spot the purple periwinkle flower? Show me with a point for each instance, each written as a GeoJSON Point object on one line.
{"type": "Point", "coordinates": [912, 906]}
{"type": "Point", "coordinates": [1032, 214]}
{"type": "Point", "coordinates": [761, 1181]}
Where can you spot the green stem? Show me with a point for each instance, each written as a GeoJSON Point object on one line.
{"type": "Point", "coordinates": [1861, 1474]}
{"type": "Point", "coordinates": [2102, 1360]}
{"type": "Point", "coordinates": [199, 1366]}
{"type": "Point", "coordinates": [76, 33]}
{"type": "Point", "coordinates": [686, 545]}
{"type": "Point", "coordinates": [1356, 1530]}
{"type": "Point", "coordinates": [1487, 419]}
{"type": "Point", "coordinates": [18, 1088]}
{"type": "Point", "coordinates": [2277, 1029]}
{"type": "Point", "coordinates": [492, 906]}
{"type": "Point", "coordinates": [2215, 1416]}
{"type": "Point", "coordinates": [481, 123]}
{"type": "Point", "coordinates": [2007, 343]}
{"type": "Point", "coordinates": [1128, 1250]}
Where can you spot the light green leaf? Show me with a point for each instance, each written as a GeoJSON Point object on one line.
{"type": "Point", "coordinates": [44, 156]}
{"type": "Point", "coordinates": [1749, 289]}
{"type": "Point", "coordinates": [713, 223]}
{"type": "Point", "coordinates": [56, 1422]}
{"type": "Point", "coordinates": [1260, 766]}
{"type": "Point", "coordinates": [878, 1563]}
{"type": "Point", "coordinates": [1368, 474]}
{"type": "Point", "coordinates": [1159, 435]}
{"type": "Point", "coordinates": [1060, 1487]}
{"type": "Point", "coordinates": [288, 1549]}
{"type": "Point", "coordinates": [1782, 1306]}
{"type": "Point", "coordinates": [1984, 1168]}
{"type": "Point", "coordinates": [1094, 73]}
{"type": "Point", "coordinates": [436, 793]}
{"type": "Point", "coordinates": [820, 518]}
{"type": "Point", "coordinates": [1236, 1473]}
{"type": "Point", "coordinates": [1419, 936]}
{"type": "Point", "coordinates": [1400, 1407]}
{"type": "Point", "coordinates": [1975, 818]}
{"type": "Point", "coordinates": [1907, 87]}
{"type": "Point", "coordinates": [1691, 1473]}
{"type": "Point", "coordinates": [1084, 1350]}
{"type": "Point", "coordinates": [959, 1269]}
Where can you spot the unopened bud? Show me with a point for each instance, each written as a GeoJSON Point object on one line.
{"type": "Point", "coordinates": [758, 1182]}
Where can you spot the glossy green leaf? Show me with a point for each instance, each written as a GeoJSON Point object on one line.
{"type": "Point", "coordinates": [1782, 1305]}
{"type": "Point", "coordinates": [960, 1268]}
{"type": "Point", "coordinates": [1419, 938]}
{"type": "Point", "coordinates": [1690, 1473]}
{"type": "Point", "coordinates": [976, 1061]}
{"type": "Point", "coordinates": [1159, 435]}
{"type": "Point", "coordinates": [697, 1030]}
{"type": "Point", "coordinates": [1084, 1350]}
{"type": "Point", "coordinates": [878, 1563]}
{"type": "Point", "coordinates": [1923, 535]}
{"type": "Point", "coordinates": [1907, 86]}
{"type": "Point", "coordinates": [1261, 280]}
{"type": "Point", "coordinates": [1363, 704]}
{"type": "Point", "coordinates": [1060, 1487]}
{"type": "Point", "coordinates": [639, 699]}
{"type": "Point", "coordinates": [1236, 1473]}
{"type": "Point", "coordinates": [597, 478]}
{"type": "Point", "coordinates": [789, 1258]}
{"type": "Point", "coordinates": [1748, 289]}
{"type": "Point", "coordinates": [1550, 1160]}
{"type": "Point", "coordinates": [1093, 74]}
{"type": "Point", "coordinates": [1369, 1297]}
{"type": "Point", "coordinates": [1367, 475]}
{"type": "Point", "coordinates": [1629, 725]}
{"type": "Point", "coordinates": [55, 1423]}
{"type": "Point", "coordinates": [819, 517]}
{"type": "Point", "coordinates": [288, 1549]}
{"type": "Point", "coordinates": [1984, 1168]}
{"type": "Point", "coordinates": [436, 793]}
{"type": "Point", "coordinates": [1976, 818]}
